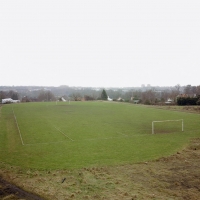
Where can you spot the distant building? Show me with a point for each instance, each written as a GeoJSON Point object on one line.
{"type": "Point", "coordinates": [9, 100]}
{"type": "Point", "coordinates": [109, 99]}
{"type": "Point", "coordinates": [136, 101]}
{"type": "Point", "coordinates": [62, 98]}
{"type": "Point", "coordinates": [120, 99]}
{"type": "Point", "coordinates": [169, 101]}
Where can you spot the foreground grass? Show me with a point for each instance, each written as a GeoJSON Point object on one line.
{"type": "Point", "coordinates": [175, 177]}
{"type": "Point", "coordinates": [96, 167]}
{"type": "Point", "coordinates": [95, 134]}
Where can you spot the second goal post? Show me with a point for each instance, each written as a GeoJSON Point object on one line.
{"type": "Point", "coordinates": [167, 121]}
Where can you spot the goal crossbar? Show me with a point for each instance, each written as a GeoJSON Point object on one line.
{"type": "Point", "coordinates": [176, 120]}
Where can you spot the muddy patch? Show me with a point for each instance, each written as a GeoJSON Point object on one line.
{"type": "Point", "coordinates": [9, 191]}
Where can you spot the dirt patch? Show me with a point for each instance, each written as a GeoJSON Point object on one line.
{"type": "Point", "coordinates": [175, 177]}
{"type": "Point", "coordinates": [9, 191]}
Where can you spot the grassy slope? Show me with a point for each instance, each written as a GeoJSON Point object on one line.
{"type": "Point", "coordinates": [103, 134]}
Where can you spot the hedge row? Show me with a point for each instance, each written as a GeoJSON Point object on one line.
{"type": "Point", "coordinates": [182, 101]}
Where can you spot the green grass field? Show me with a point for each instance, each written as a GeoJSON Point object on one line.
{"type": "Point", "coordinates": [85, 134]}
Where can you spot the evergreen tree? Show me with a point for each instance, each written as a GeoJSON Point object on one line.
{"type": "Point", "coordinates": [104, 96]}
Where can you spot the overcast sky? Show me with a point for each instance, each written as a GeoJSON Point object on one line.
{"type": "Point", "coordinates": [99, 43]}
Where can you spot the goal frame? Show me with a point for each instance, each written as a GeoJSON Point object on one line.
{"type": "Point", "coordinates": [176, 120]}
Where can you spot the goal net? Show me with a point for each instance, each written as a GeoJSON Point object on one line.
{"type": "Point", "coordinates": [167, 126]}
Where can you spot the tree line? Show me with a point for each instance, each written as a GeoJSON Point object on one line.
{"type": "Point", "coordinates": [149, 96]}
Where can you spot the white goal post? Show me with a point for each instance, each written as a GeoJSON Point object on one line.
{"type": "Point", "coordinates": [177, 120]}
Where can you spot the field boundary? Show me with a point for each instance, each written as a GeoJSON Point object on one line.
{"type": "Point", "coordinates": [18, 127]}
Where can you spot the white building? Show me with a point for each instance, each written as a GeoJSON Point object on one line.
{"type": "Point", "coordinates": [9, 100]}
{"type": "Point", "coordinates": [109, 99]}
{"type": "Point", "coordinates": [169, 101]}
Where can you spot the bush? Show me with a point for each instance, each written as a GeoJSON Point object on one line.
{"type": "Point", "coordinates": [88, 98]}
{"type": "Point", "coordinates": [182, 101]}
{"type": "Point", "coordinates": [147, 102]}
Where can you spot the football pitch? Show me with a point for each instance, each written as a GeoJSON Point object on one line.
{"type": "Point", "coordinates": [52, 135]}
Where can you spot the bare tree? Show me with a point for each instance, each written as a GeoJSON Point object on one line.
{"type": "Point", "coordinates": [46, 96]}
{"type": "Point", "coordinates": [177, 88]}
{"type": "Point", "coordinates": [190, 90]}
{"type": "Point", "coordinates": [76, 96]}
{"type": "Point", "coordinates": [148, 97]}
{"type": "Point", "coordinates": [198, 90]}
{"type": "Point", "coordinates": [13, 95]}
{"type": "Point", "coordinates": [175, 92]}
{"type": "Point", "coordinates": [2, 95]}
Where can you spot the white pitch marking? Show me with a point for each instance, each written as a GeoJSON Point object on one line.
{"type": "Point", "coordinates": [18, 127]}
{"type": "Point", "coordinates": [63, 133]}
{"type": "Point", "coordinates": [45, 143]}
